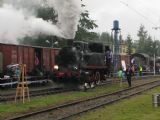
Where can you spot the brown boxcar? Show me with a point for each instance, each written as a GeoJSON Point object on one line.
{"type": "Point", "coordinates": [21, 54]}
{"type": "Point", "coordinates": [10, 54]}
{"type": "Point", "coordinates": [16, 54]}
{"type": "Point", "coordinates": [26, 57]}
{"type": "Point", "coordinates": [31, 58]}
{"type": "Point", "coordinates": [46, 58]}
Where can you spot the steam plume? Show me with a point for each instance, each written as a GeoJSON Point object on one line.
{"type": "Point", "coordinates": [18, 19]}
{"type": "Point", "coordinates": [68, 15]}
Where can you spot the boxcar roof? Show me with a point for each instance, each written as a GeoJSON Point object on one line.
{"type": "Point", "coordinates": [27, 45]}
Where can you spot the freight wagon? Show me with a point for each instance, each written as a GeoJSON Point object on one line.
{"type": "Point", "coordinates": [38, 60]}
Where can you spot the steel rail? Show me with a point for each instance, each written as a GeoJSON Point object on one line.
{"type": "Point", "coordinates": [77, 107]}
{"type": "Point", "coordinates": [49, 91]}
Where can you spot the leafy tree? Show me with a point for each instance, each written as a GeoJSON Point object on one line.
{"type": "Point", "coordinates": [145, 43]}
{"type": "Point", "coordinates": [84, 27]}
{"type": "Point", "coordinates": [106, 37]}
{"type": "Point", "coordinates": [149, 46]}
{"type": "Point", "coordinates": [157, 51]}
{"type": "Point", "coordinates": [143, 35]}
{"type": "Point", "coordinates": [129, 43]}
{"type": "Point", "coordinates": [47, 14]}
{"type": "Point", "coordinates": [154, 48]}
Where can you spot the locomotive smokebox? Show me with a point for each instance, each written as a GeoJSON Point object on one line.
{"type": "Point", "coordinates": [70, 42]}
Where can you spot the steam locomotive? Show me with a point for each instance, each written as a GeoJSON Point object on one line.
{"type": "Point", "coordinates": [79, 62]}
{"type": "Point", "coordinates": [82, 62]}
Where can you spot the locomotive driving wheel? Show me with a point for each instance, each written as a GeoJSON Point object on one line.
{"type": "Point", "coordinates": [97, 77]}
{"type": "Point", "coordinates": [92, 80]}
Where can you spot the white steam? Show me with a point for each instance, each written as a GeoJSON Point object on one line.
{"type": "Point", "coordinates": [17, 19]}
{"type": "Point", "coordinates": [68, 15]}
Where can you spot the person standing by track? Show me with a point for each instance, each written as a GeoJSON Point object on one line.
{"type": "Point", "coordinates": [120, 72]}
{"type": "Point", "coordinates": [129, 76]}
{"type": "Point", "coordinates": [140, 70]}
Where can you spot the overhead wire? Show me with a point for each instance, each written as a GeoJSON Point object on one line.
{"type": "Point", "coordinates": [145, 5]}
{"type": "Point", "coordinates": [152, 13]}
{"type": "Point", "coordinates": [139, 13]}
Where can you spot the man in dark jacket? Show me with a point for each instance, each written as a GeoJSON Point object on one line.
{"type": "Point", "coordinates": [129, 75]}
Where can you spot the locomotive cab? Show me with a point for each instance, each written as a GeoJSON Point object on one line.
{"type": "Point", "coordinates": [80, 46]}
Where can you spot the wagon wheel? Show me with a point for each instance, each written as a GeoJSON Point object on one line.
{"type": "Point", "coordinates": [97, 77]}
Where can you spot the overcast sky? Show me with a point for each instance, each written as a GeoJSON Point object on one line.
{"type": "Point", "coordinates": [130, 13]}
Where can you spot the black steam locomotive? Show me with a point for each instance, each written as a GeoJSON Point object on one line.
{"type": "Point", "coordinates": [82, 62]}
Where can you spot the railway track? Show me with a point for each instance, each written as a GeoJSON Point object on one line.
{"type": "Point", "coordinates": [68, 110]}
{"type": "Point", "coordinates": [49, 91]}
{"type": "Point", "coordinates": [10, 97]}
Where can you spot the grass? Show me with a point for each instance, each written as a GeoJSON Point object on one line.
{"type": "Point", "coordinates": [9, 109]}
{"type": "Point", "coordinates": [135, 108]}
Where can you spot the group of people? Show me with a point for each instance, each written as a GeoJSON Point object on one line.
{"type": "Point", "coordinates": [128, 73]}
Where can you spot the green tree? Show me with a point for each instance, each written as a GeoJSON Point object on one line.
{"type": "Point", "coordinates": [154, 48]}
{"type": "Point", "coordinates": [85, 26]}
{"type": "Point", "coordinates": [129, 43]}
{"type": "Point", "coordinates": [48, 14]}
{"type": "Point", "coordinates": [149, 46]}
{"type": "Point", "coordinates": [158, 48]}
{"type": "Point", "coordinates": [145, 42]}
{"type": "Point", "coordinates": [142, 34]}
{"type": "Point", "coordinates": [84, 29]}
{"type": "Point", "coordinates": [106, 37]}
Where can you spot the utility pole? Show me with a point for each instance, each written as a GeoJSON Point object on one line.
{"type": "Point", "coordinates": [155, 47]}
{"type": "Point", "coordinates": [154, 61]}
